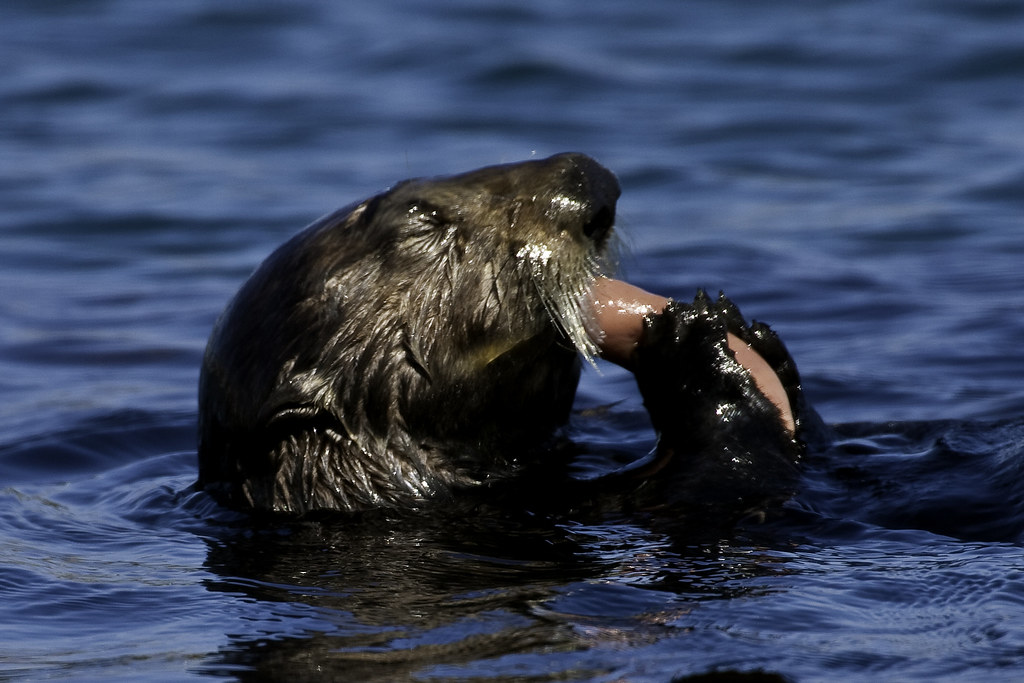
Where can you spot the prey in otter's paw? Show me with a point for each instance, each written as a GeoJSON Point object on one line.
{"type": "Point", "coordinates": [724, 441]}
{"type": "Point", "coordinates": [427, 342]}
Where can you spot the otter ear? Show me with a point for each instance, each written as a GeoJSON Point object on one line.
{"type": "Point", "coordinates": [414, 356]}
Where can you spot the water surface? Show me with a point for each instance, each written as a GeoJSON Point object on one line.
{"type": "Point", "coordinates": [850, 172]}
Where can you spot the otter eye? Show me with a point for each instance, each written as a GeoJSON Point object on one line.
{"type": "Point", "coordinates": [426, 214]}
{"type": "Point", "coordinates": [425, 211]}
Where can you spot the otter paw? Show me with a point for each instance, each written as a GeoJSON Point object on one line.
{"type": "Point", "coordinates": [720, 439]}
{"type": "Point", "coordinates": [694, 386]}
{"type": "Point", "coordinates": [690, 380]}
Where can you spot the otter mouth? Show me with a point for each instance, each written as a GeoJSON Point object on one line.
{"type": "Point", "coordinates": [599, 227]}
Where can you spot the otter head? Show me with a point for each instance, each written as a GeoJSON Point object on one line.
{"type": "Point", "coordinates": [424, 339]}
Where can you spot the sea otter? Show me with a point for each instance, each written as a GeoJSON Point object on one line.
{"type": "Point", "coordinates": [427, 342]}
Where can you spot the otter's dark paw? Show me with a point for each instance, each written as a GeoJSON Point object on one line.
{"type": "Point", "coordinates": [767, 344]}
{"type": "Point", "coordinates": [720, 439]}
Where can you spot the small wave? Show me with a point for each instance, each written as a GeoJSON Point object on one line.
{"type": "Point", "coordinates": [964, 480]}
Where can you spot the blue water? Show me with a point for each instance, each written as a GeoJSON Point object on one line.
{"type": "Point", "coordinates": [851, 172]}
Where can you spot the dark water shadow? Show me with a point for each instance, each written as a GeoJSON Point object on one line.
{"type": "Point", "coordinates": [511, 594]}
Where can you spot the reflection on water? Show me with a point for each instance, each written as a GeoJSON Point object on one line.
{"type": "Point", "coordinates": [392, 598]}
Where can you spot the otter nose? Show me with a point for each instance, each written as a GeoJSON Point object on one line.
{"type": "Point", "coordinates": [588, 192]}
{"type": "Point", "coordinates": [600, 224]}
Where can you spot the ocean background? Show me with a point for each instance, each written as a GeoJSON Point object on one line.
{"type": "Point", "coordinates": [851, 172]}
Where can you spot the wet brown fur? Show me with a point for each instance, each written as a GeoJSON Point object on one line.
{"type": "Point", "coordinates": [422, 341]}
